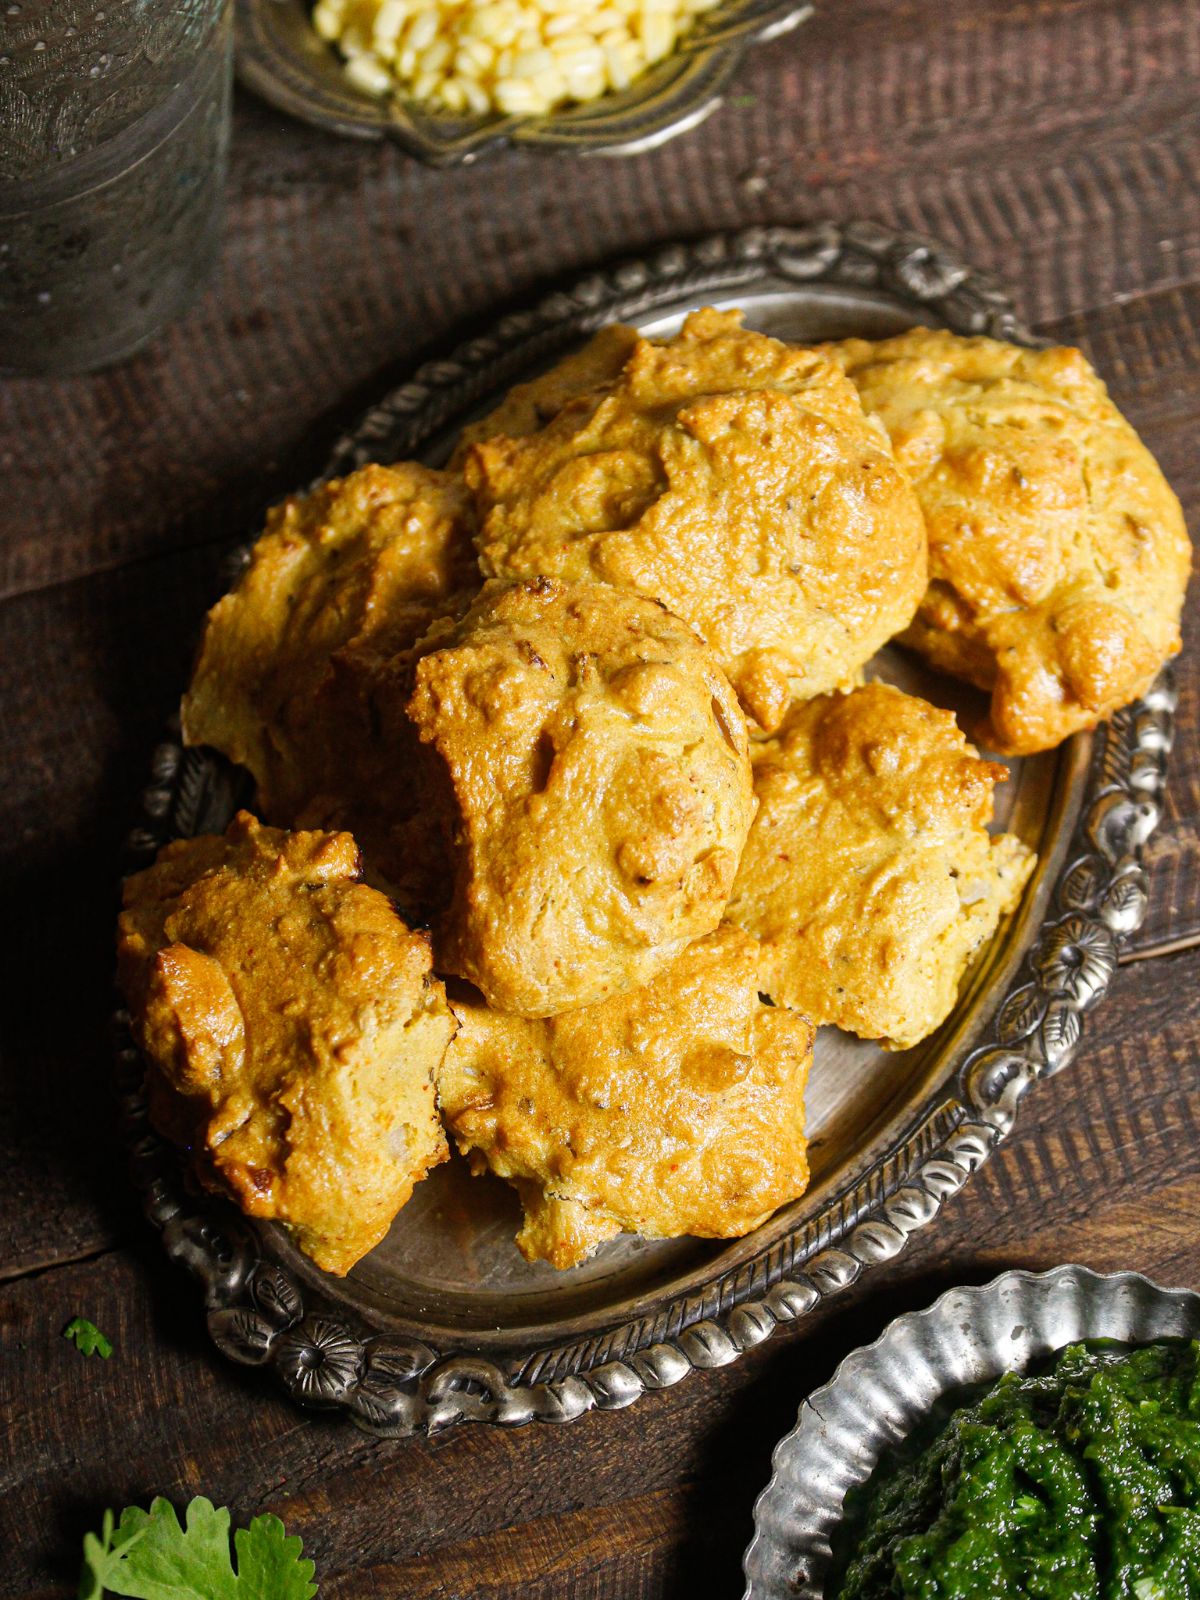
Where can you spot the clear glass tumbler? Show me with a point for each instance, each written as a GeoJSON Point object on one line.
{"type": "Point", "coordinates": [114, 133]}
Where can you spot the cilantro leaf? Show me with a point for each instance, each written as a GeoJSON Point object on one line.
{"type": "Point", "coordinates": [96, 1552]}
{"type": "Point", "coordinates": [87, 1337]}
{"type": "Point", "coordinates": [148, 1556]}
{"type": "Point", "coordinates": [269, 1561]}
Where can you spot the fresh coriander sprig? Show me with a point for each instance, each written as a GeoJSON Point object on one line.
{"type": "Point", "coordinates": [87, 1337]}
{"type": "Point", "coordinates": [148, 1556]}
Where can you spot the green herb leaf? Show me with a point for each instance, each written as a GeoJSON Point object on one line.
{"type": "Point", "coordinates": [1026, 1509]}
{"type": "Point", "coordinates": [96, 1553]}
{"type": "Point", "coordinates": [148, 1556]}
{"type": "Point", "coordinates": [87, 1337]}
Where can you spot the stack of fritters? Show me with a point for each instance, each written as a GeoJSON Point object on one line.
{"type": "Point", "coordinates": [591, 703]}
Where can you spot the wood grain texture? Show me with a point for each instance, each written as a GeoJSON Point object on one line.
{"type": "Point", "coordinates": [89, 672]}
{"type": "Point", "coordinates": [1056, 141]}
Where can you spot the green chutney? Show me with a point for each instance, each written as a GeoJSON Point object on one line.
{"type": "Point", "coordinates": [1079, 1484]}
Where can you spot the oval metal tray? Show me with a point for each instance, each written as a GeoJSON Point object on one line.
{"type": "Point", "coordinates": [882, 1392]}
{"type": "Point", "coordinates": [444, 1322]}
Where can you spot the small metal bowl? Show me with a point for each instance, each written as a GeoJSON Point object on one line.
{"type": "Point", "coordinates": [281, 57]}
{"type": "Point", "coordinates": [881, 1392]}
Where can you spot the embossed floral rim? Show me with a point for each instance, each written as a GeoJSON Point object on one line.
{"type": "Point", "coordinates": [260, 1313]}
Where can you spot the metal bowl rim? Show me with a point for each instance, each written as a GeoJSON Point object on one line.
{"type": "Point", "coordinates": [949, 1301]}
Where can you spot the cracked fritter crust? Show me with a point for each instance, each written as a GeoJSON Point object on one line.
{"type": "Point", "coordinates": [737, 480]}
{"type": "Point", "coordinates": [300, 676]}
{"type": "Point", "coordinates": [530, 406]}
{"type": "Point", "coordinates": [599, 771]}
{"type": "Point", "coordinates": [293, 1029]}
{"type": "Point", "coordinates": [1058, 555]}
{"type": "Point", "coordinates": [675, 1109]}
{"type": "Point", "coordinates": [869, 875]}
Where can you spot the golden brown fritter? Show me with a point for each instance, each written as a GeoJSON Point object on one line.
{"type": "Point", "coordinates": [1058, 555]}
{"type": "Point", "coordinates": [296, 678]}
{"type": "Point", "coordinates": [600, 774]}
{"type": "Point", "coordinates": [737, 480]}
{"type": "Point", "coordinates": [869, 875]}
{"type": "Point", "coordinates": [292, 1027]}
{"type": "Point", "coordinates": [675, 1109]}
{"type": "Point", "coordinates": [529, 406]}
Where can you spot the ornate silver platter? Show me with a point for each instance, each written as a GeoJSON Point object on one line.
{"type": "Point", "coordinates": [444, 1322]}
{"type": "Point", "coordinates": [881, 1393]}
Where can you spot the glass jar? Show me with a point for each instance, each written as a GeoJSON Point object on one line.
{"type": "Point", "coordinates": [114, 133]}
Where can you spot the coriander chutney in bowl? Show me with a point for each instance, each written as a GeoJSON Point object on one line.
{"type": "Point", "coordinates": [1038, 1436]}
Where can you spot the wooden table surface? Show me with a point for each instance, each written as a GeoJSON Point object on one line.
{"type": "Point", "coordinates": [1056, 142]}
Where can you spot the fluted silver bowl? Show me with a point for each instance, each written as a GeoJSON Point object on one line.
{"type": "Point", "coordinates": [281, 57]}
{"type": "Point", "coordinates": [880, 1393]}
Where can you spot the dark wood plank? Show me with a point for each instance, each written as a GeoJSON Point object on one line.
{"type": "Point", "coordinates": [88, 675]}
{"type": "Point", "coordinates": [612, 1552]}
{"type": "Point", "coordinates": [1055, 142]}
{"type": "Point", "coordinates": [1104, 1169]}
